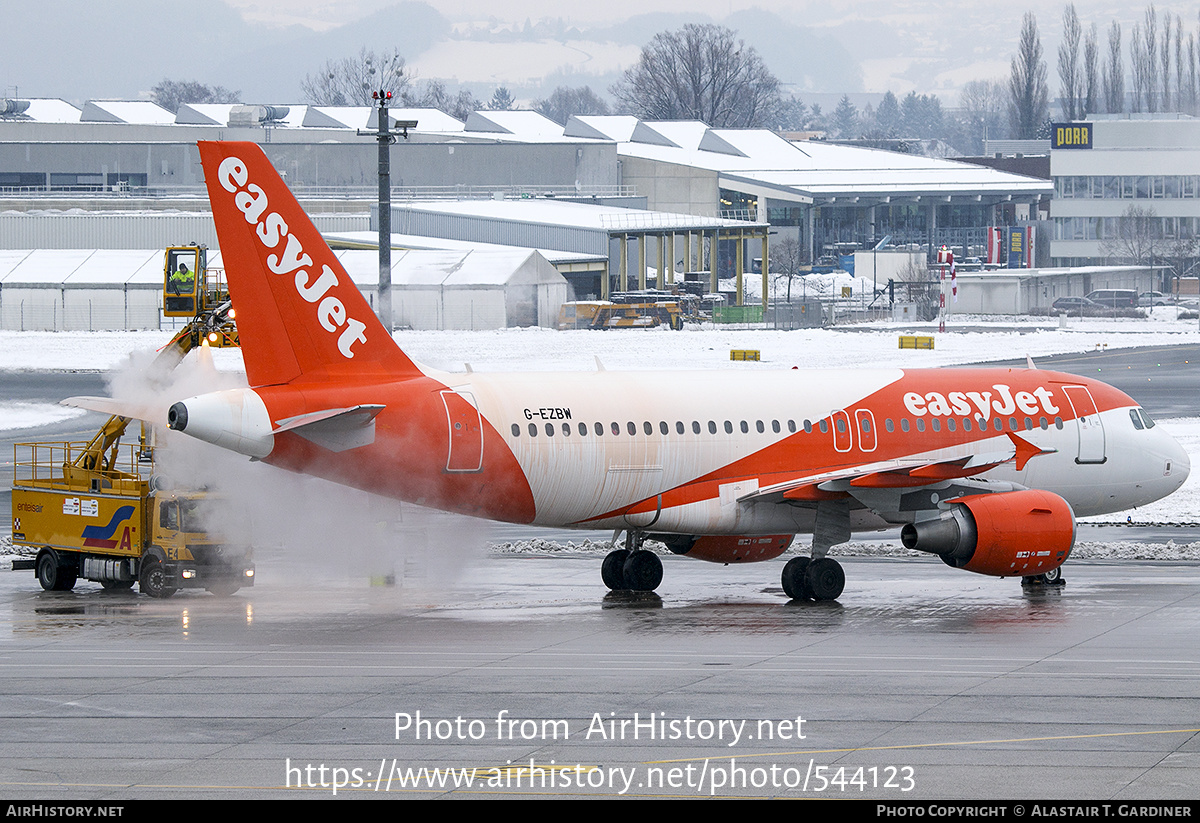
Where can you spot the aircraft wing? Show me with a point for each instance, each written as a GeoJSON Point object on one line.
{"type": "Point", "coordinates": [906, 473]}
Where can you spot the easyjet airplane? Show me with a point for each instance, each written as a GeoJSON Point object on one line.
{"type": "Point", "coordinates": [986, 468]}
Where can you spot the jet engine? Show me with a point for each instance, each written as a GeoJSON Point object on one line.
{"type": "Point", "coordinates": [725, 548]}
{"type": "Point", "coordinates": [235, 419]}
{"type": "Point", "coordinates": [1005, 534]}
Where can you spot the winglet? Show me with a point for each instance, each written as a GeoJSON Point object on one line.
{"type": "Point", "coordinates": [298, 312]}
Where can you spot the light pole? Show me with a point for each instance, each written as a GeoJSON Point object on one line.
{"type": "Point", "coordinates": [386, 137]}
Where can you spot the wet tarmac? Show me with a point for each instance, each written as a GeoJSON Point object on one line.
{"type": "Point", "coordinates": [921, 682]}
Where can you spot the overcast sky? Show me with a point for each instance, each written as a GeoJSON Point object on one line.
{"type": "Point", "coordinates": [91, 49]}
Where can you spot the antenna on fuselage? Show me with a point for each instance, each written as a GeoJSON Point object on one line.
{"type": "Point", "coordinates": [1029, 363]}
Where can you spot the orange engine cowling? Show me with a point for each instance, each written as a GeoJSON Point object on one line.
{"type": "Point", "coordinates": [1005, 534]}
{"type": "Point", "coordinates": [727, 548]}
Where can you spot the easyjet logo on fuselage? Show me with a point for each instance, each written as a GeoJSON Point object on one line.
{"type": "Point", "coordinates": [251, 201]}
{"type": "Point", "coordinates": [1003, 401]}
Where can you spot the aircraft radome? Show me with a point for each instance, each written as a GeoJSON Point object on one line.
{"type": "Point", "coordinates": [985, 467]}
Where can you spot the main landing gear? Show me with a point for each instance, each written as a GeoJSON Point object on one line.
{"type": "Point", "coordinates": [808, 579]}
{"type": "Point", "coordinates": [632, 568]}
{"type": "Point", "coordinates": [1050, 578]}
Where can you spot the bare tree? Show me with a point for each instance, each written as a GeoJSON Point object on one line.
{"type": "Point", "coordinates": [1091, 72]}
{"type": "Point", "coordinates": [435, 95]}
{"type": "Point", "coordinates": [1180, 79]}
{"type": "Point", "coordinates": [982, 103]}
{"type": "Point", "coordinates": [171, 94]}
{"type": "Point", "coordinates": [1136, 237]}
{"type": "Point", "coordinates": [1114, 72]}
{"type": "Point", "coordinates": [1068, 64]}
{"type": "Point", "coordinates": [1148, 57]}
{"type": "Point", "coordinates": [1165, 58]}
{"type": "Point", "coordinates": [700, 72]}
{"type": "Point", "coordinates": [1028, 105]}
{"type": "Point", "coordinates": [351, 80]}
{"type": "Point", "coordinates": [565, 102]}
{"type": "Point", "coordinates": [1139, 62]}
{"type": "Point", "coordinates": [788, 262]}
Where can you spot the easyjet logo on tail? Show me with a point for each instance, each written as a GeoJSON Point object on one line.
{"type": "Point", "coordinates": [272, 230]}
{"type": "Point", "coordinates": [1002, 401]}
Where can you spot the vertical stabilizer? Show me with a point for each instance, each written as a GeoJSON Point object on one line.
{"type": "Point", "coordinates": [298, 312]}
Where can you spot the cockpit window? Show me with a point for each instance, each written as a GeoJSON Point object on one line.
{"type": "Point", "coordinates": [1146, 418]}
{"type": "Point", "coordinates": [1137, 420]}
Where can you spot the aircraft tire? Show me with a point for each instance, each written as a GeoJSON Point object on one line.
{"type": "Point", "coordinates": [643, 571]}
{"type": "Point", "coordinates": [153, 579]}
{"type": "Point", "coordinates": [612, 571]}
{"type": "Point", "coordinates": [794, 579]}
{"type": "Point", "coordinates": [1054, 577]}
{"type": "Point", "coordinates": [825, 579]}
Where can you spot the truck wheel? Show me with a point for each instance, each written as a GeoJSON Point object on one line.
{"type": "Point", "coordinates": [223, 588]}
{"type": "Point", "coordinates": [154, 579]}
{"type": "Point", "coordinates": [52, 576]}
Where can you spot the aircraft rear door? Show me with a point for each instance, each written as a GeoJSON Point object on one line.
{"type": "Point", "coordinates": [465, 452]}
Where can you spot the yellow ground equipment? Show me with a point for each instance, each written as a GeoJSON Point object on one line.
{"type": "Point", "coordinates": [97, 510]}
{"type": "Point", "coordinates": [605, 314]}
{"type": "Point", "coordinates": [192, 289]}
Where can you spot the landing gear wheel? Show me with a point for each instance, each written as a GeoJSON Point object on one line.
{"type": "Point", "coordinates": [825, 579]}
{"type": "Point", "coordinates": [1054, 577]}
{"type": "Point", "coordinates": [612, 571]}
{"type": "Point", "coordinates": [223, 588]}
{"type": "Point", "coordinates": [52, 576]}
{"type": "Point", "coordinates": [795, 579]}
{"type": "Point", "coordinates": [116, 585]}
{"type": "Point", "coordinates": [643, 571]}
{"type": "Point", "coordinates": [154, 579]}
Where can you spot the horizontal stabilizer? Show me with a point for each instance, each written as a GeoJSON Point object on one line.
{"type": "Point", "coordinates": [335, 429]}
{"type": "Point", "coordinates": [120, 408]}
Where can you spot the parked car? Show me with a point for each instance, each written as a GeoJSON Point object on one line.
{"type": "Point", "coordinates": [1115, 298]}
{"type": "Point", "coordinates": [1153, 298]}
{"type": "Point", "coordinates": [1074, 304]}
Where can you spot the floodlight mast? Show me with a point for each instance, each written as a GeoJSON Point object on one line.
{"type": "Point", "coordinates": [385, 137]}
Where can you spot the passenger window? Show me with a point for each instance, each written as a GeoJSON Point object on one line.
{"type": "Point", "coordinates": [1028, 424]}
{"type": "Point", "coordinates": [889, 425]}
{"type": "Point", "coordinates": [920, 424]}
{"type": "Point", "coordinates": [631, 427]}
{"type": "Point", "coordinates": [1058, 424]}
{"type": "Point", "coordinates": [549, 429]}
{"type": "Point", "coordinates": [695, 427]}
{"type": "Point", "coordinates": [998, 426]}
{"type": "Point", "coordinates": [616, 427]}
{"type": "Point", "coordinates": [1043, 423]}
{"type": "Point", "coordinates": [517, 430]}
{"type": "Point", "coordinates": [647, 428]}
{"type": "Point", "coordinates": [950, 425]}
{"type": "Point", "coordinates": [792, 426]}
{"type": "Point", "coordinates": [745, 427]}
{"type": "Point", "coordinates": [566, 429]}
{"type": "Point", "coordinates": [599, 429]}
{"type": "Point", "coordinates": [679, 427]}
{"type": "Point", "coordinates": [824, 426]}
{"type": "Point", "coordinates": [807, 426]}
{"type": "Point", "coordinates": [712, 427]}
{"type": "Point", "coordinates": [903, 424]}
{"type": "Point", "coordinates": [533, 429]}
{"type": "Point", "coordinates": [583, 428]}
{"type": "Point", "coordinates": [775, 426]}
{"type": "Point", "coordinates": [935, 424]}
{"type": "Point", "coordinates": [966, 424]}
{"type": "Point", "coordinates": [759, 425]}
{"type": "Point", "coordinates": [728, 427]}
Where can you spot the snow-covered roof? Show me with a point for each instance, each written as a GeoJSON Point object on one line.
{"type": "Point", "coordinates": [370, 239]}
{"type": "Point", "coordinates": [141, 112]}
{"type": "Point", "coordinates": [48, 110]}
{"type": "Point", "coordinates": [552, 212]}
{"type": "Point", "coordinates": [527, 126]}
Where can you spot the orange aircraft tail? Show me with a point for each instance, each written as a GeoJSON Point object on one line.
{"type": "Point", "coordinates": [298, 313]}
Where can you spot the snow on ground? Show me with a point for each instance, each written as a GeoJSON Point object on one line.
{"type": "Point", "coordinates": [16, 415]}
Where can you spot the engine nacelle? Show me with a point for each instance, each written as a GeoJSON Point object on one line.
{"type": "Point", "coordinates": [1005, 534]}
{"type": "Point", "coordinates": [727, 548]}
{"type": "Point", "coordinates": [234, 419]}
